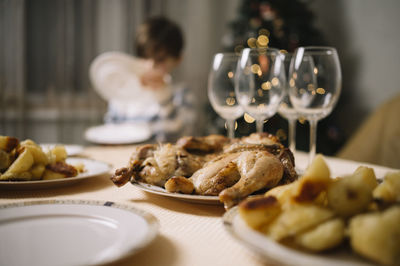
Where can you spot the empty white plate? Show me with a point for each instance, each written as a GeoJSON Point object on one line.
{"type": "Point", "coordinates": [72, 232]}
{"type": "Point", "coordinates": [125, 133]}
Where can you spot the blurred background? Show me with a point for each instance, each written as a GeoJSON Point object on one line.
{"type": "Point", "coordinates": [46, 47]}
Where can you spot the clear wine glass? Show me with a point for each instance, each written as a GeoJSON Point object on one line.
{"type": "Point", "coordinates": [286, 109]}
{"type": "Point", "coordinates": [314, 85]}
{"type": "Point", "coordinates": [221, 89]}
{"type": "Point", "coordinates": [260, 81]}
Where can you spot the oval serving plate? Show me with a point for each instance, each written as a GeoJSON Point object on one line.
{"type": "Point", "coordinates": [93, 168]}
{"type": "Point", "coordinates": [212, 200]}
{"type": "Point", "coordinates": [72, 232]}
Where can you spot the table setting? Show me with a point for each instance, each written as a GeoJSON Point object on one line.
{"type": "Point", "coordinates": [188, 202]}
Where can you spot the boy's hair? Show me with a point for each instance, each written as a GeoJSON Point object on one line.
{"type": "Point", "coordinates": [158, 38]}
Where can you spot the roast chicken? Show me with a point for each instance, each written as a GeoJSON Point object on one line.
{"type": "Point", "coordinates": [213, 165]}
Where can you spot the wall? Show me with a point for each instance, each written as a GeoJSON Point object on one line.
{"type": "Point", "coordinates": [366, 34]}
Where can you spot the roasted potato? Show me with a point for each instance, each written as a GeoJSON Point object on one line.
{"type": "Point", "coordinates": [5, 160]}
{"type": "Point", "coordinates": [39, 157]}
{"type": "Point", "coordinates": [314, 181]}
{"type": "Point", "coordinates": [7, 143]}
{"type": "Point", "coordinates": [37, 171]}
{"type": "Point", "coordinates": [318, 168]}
{"type": "Point", "coordinates": [297, 219]}
{"type": "Point", "coordinates": [22, 164]}
{"type": "Point", "coordinates": [283, 193]}
{"type": "Point", "coordinates": [389, 190]}
{"type": "Point", "coordinates": [59, 153]}
{"type": "Point", "coordinates": [258, 212]}
{"type": "Point", "coordinates": [367, 176]}
{"type": "Point", "coordinates": [324, 236]}
{"type": "Point", "coordinates": [349, 195]}
{"type": "Point", "coordinates": [377, 235]}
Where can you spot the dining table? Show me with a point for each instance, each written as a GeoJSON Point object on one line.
{"type": "Point", "coordinates": [189, 233]}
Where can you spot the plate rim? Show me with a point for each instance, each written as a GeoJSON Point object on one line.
{"type": "Point", "coordinates": [79, 177]}
{"type": "Point", "coordinates": [150, 219]}
{"type": "Point", "coordinates": [301, 258]}
{"type": "Point", "coordinates": [185, 197]}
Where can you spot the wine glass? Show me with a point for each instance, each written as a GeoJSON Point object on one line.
{"type": "Point", "coordinates": [260, 81]}
{"type": "Point", "coordinates": [315, 82]}
{"type": "Point", "coordinates": [286, 109]}
{"type": "Point", "coordinates": [221, 89]}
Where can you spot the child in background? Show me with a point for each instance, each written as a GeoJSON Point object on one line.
{"type": "Point", "coordinates": [139, 89]}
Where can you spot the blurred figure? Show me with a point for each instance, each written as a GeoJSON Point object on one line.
{"type": "Point", "coordinates": [377, 141]}
{"type": "Point", "coordinates": [139, 89]}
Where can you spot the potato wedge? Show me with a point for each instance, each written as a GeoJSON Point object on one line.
{"type": "Point", "coordinates": [59, 153]}
{"type": "Point", "coordinates": [367, 175]}
{"type": "Point", "coordinates": [349, 196]}
{"type": "Point", "coordinates": [315, 180]}
{"type": "Point", "coordinates": [323, 237]}
{"type": "Point", "coordinates": [283, 193]}
{"type": "Point", "coordinates": [7, 143]}
{"type": "Point", "coordinates": [377, 235]}
{"type": "Point", "coordinates": [259, 211]}
{"type": "Point", "coordinates": [5, 160]}
{"type": "Point", "coordinates": [318, 168]}
{"type": "Point", "coordinates": [297, 219]}
{"type": "Point", "coordinates": [389, 190]}
{"type": "Point", "coordinates": [39, 157]}
{"type": "Point", "coordinates": [22, 164]}
{"type": "Point", "coordinates": [37, 171]}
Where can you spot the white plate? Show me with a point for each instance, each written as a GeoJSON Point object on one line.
{"type": "Point", "coordinates": [72, 232]}
{"type": "Point", "coordinates": [72, 150]}
{"type": "Point", "coordinates": [114, 134]}
{"type": "Point", "coordinates": [275, 252]}
{"type": "Point", "coordinates": [93, 168]}
{"type": "Point", "coordinates": [213, 200]}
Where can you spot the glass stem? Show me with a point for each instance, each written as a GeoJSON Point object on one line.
{"type": "Point", "coordinates": [260, 125]}
{"type": "Point", "coordinates": [313, 140]}
{"type": "Point", "coordinates": [231, 128]}
{"type": "Point", "coordinates": [292, 135]}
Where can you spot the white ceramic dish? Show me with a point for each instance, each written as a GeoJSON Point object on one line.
{"type": "Point", "coordinates": [93, 168]}
{"type": "Point", "coordinates": [212, 200]}
{"type": "Point", "coordinates": [282, 255]}
{"type": "Point", "coordinates": [68, 232]}
{"type": "Point", "coordinates": [114, 134]}
{"type": "Point", "coordinates": [72, 150]}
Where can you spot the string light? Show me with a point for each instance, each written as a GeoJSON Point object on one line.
{"type": "Point", "coordinates": [248, 118]}
{"type": "Point", "coordinates": [321, 91]}
{"type": "Point", "coordinates": [230, 101]}
{"type": "Point", "coordinates": [266, 85]}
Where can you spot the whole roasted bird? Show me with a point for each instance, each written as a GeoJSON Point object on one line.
{"type": "Point", "coordinates": [213, 165]}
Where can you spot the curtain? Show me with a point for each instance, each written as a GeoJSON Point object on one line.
{"type": "Point", "coordinates": [48, 45]}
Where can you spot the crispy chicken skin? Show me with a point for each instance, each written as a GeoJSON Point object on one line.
{"type": "Point", "coordinates": [155, 164]}
{"type": "Point", "coordinates": [258, 170]}
{"type": "Point", "coordinates": [216, 175]}
{"type": "Point", "coordinates": [213, 165]}
{"type": "Point", "coordinates": [207, 144]}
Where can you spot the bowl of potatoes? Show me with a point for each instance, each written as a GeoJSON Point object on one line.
{"type": "Point", "coordinates": [321, 220]}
